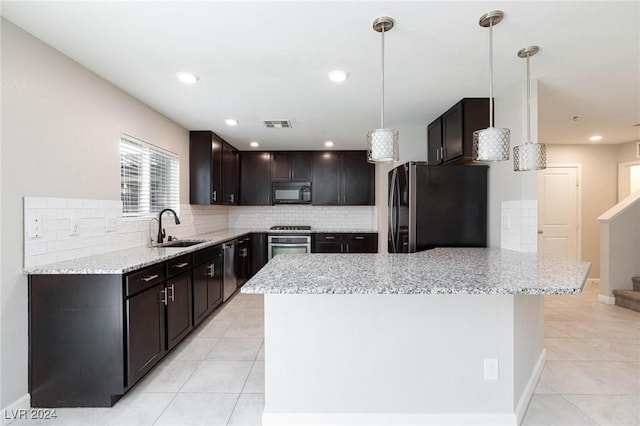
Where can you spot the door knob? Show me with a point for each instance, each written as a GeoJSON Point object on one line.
{"type": "Point", "coordinates": [540, 231]}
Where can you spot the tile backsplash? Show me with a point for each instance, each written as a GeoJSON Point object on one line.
{"type": "Point", "coordinates": [318, 217]}
{"type": "Point", "coordinates": [58, 229]}
{"type": "Point", "coordinates": [519, 222]}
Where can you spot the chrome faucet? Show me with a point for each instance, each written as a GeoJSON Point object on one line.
{"type": "Point", "coordinates": [161, 232]}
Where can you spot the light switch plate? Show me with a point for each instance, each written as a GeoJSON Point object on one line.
{"type": "Point", "coordinates": [74, 226]}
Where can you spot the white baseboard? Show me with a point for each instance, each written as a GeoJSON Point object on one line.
{"type": "Point", "coordinates": [12, 411]}
{"type": "Point", "coordinates": [609, 300]}
{"type": "Point", "coordinates": [386, 419]}
{"type": "Point", "coordinates": [527, 393]}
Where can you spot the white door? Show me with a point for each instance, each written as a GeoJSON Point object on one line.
{"type": "Point", "coordinates": [558, 211]}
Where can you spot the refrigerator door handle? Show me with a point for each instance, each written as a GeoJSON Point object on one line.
{"type": "Point", "coordinates": [392, 192]}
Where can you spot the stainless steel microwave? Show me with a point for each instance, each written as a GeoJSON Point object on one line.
{"type": "Point", "coordinates": [291, 192]}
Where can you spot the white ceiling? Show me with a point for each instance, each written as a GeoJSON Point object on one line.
{"type": "Point", "coordinates": [269, 60]}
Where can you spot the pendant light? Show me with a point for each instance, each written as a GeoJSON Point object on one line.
{"type": "Point", "coordinates": [382, 144]}
{"type": "Point", "coordinates": [530, 156]}
{"type": "Point", "coordinates": [491, 144]}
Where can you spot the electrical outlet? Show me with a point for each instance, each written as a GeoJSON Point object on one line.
{"type": "Point", "coordinates": [74, 226]}
{"type": "Point", "coordinates": [111, 224]}
{"type": "Point", "coordinates": [491, 369]}
{"type": "Point", "coordinates": [35, 228]}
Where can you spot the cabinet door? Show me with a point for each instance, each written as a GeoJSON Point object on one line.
{"type": "Point", "coordinates": [145, 331]}
{"type": "Point", "coordinates": [242, 261]}
{"type": "Point", "coordinates": [358, 179]}
{"type": "Point", "coordinates": [230, 166]}
{"type": "Point", "coordinates": [258, 252]}
{"type": "Point", "coordinates": [280, 166]}
{"type": "Point", "coordinates": [361, 243]}
{"type": "Point", "coordinates": [325, 187]}
{"type": "Point", "coordinates": [453, 143]}
{"type": "Point", "coordinates": [300, 166]}
{"type": "Point", "coordinates": [434, 142]}
{"type": "Point", "coordinates": [179, 323]}
{"type": "Point", "coordinates": [255, 178]}
{"type": "Point", "coordinates": [207, 288]}
{"type": "Point", "coordinates": [328, 243]}
{"type": "Point", "coordinates": [205, 168]}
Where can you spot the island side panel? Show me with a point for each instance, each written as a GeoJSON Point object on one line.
{"type": "Point", "coordinates": [530, 355]}
{"type": "Point", "coordinates": [387, 355]}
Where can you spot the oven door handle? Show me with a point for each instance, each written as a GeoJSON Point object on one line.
{"type": "Point", "coordinates": [289, 245]}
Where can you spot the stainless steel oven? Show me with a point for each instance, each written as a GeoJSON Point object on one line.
{"type": "Point", "coordinates": [290, 243]}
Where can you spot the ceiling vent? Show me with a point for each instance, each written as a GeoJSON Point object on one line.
{"type": "Point", "coordinates": [277, 124]}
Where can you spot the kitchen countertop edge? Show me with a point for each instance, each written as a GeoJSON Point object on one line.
{"type": "Point", "coordinates": [131, 259]}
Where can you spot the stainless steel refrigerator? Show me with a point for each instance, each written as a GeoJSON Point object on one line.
{"type": "Point", "coordinates": [437, 206]}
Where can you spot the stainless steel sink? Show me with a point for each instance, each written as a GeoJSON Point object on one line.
{"type": "Point", "coordinates": [182, 243]}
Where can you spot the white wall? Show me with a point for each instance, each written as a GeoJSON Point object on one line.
{"type": "Point", "coordinates": [61, 126]}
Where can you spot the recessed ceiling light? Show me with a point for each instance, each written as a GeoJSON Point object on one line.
{"type": "Point", "coordinates": [187, 77]}
{"type": "Point", "coordinates": [231, 122]}
{"type": "Point", "coordinates": [328, 144]}
{"type": "Point", "coordinates": [254, 144]}
{"type": "Point", "coordinates": [595, 138]}
{"type": "Point", "coordinates": [337, 76]}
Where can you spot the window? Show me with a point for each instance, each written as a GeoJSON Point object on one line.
{"type": "Point", "coordinates": [149, 178]}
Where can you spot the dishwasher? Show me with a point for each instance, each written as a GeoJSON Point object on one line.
{"type": "Point", "coordinates": [230, 279]}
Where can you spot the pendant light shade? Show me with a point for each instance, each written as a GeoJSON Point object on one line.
{"type": "Point", "coordinates": [382, 144]}
{"type": "Point", "coordinates": [492, 143]}
{"type": "Point", "coordinates": [530, 156]}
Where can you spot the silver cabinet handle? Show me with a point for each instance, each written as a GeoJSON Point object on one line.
{"type": "Point", "coordinates": [232, 198]}
{"type": "Point", "coordinates": [212, 269]}
{"type": "Point", "coordinates": [163, 297]}
{"type": "Point", "coordinates": [243, 252]}
{"type": "Point", "coordinates": [330, 238]}
{"type": "Point", "coordinates": [215, 195]}
{"type": "Point", "coordinates": [171, 296]}
{"type": "Point", "coordinates": [149, 278]}
{"type": "Point", "coordinates": [359, 238]}
{"type": "Point", "coordinates": [180, 265]}
{"type": "Point", "coordinates": [540, 232]}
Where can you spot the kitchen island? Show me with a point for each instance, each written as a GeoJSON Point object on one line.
{"type": "Point", "coordinates": [445, 336]}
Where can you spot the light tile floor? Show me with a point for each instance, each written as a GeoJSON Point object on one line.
{"type": "Point", "coordinates": [216, 376]}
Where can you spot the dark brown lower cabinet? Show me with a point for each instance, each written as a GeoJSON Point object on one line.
{"type": "Point", "coordinates": [366, 242]}
{"type": "Point", "coordinates": [207, 283]}
{"type": "Point", "coordinates": [146, 331]}
{"type": "Point", "coordinates": [178, 304]}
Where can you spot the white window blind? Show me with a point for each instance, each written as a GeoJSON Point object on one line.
{"type": "Point", "coordinates": [149, 178]}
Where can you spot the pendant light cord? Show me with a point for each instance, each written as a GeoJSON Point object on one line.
{"type": "Point", "coordinates": [528, 101]}
{"type": "Point", "coordinates": [491, 73]}
{"type": "Point", "coordinates": [382, 82]}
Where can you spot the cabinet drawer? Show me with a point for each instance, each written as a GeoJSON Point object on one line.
{"type": "Point", "coordinates": [143, 279]}
{"type": "Point", "coordinates": [361, 243]}
{"type": "Point", "coordinates": [178, 265]}
{"type": "Point", "coordinates": [207, 254]}
{"type": "Point", "coordinates": [329, 238]}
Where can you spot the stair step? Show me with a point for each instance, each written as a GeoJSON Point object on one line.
{"type": "Point", "coordinates": [628, 299]}
{"type": "Point", "coordinates": [636, 283]}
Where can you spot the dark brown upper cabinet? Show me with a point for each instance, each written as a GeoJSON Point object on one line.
{"type": "Point", "coordinates": [255, 178]}
{"type": "Point", "coordinates": [290, 165]}
{"type": "Point", "coordinates": [450, 136]}
{"type": "Point", "coordinates": [343, 178]}
{"type": "Point", "coordinates": [213, 169]}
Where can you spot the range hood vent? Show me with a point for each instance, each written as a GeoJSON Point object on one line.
{"type": "Point", "coordinates": [277, 124]}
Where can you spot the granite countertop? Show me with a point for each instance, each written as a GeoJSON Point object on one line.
{"type": "Point", "coordinates": [437, 271]}
{"type": "Point", "coordinates": [123, 261]}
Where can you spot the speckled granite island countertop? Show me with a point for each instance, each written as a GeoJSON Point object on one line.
{"type": "Point", "coordinates": [437, 271]}
{"type": "Point", "coordinates": [123, 261]}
